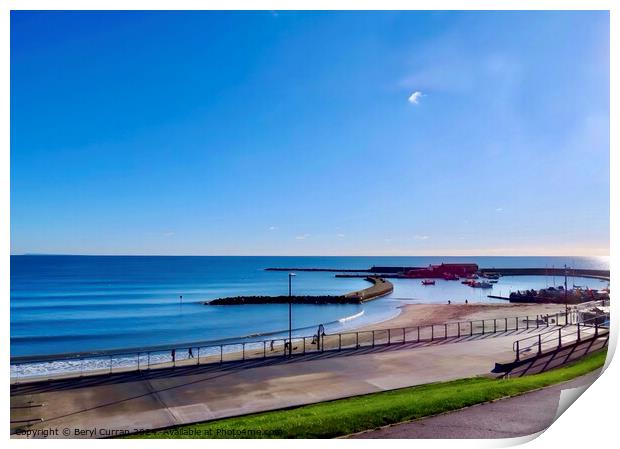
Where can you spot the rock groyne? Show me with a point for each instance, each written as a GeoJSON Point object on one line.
{"type": "Point", "coordinates": [380, 287]}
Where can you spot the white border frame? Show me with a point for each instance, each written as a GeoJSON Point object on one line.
{"type": "Point", "coordinates": [589, 421]}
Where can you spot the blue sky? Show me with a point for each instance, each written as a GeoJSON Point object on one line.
{"type": "Point", "coordinates": [310, 133]}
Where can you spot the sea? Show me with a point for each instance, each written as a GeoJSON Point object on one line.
{"type": "Point", "coordinates": [67, 304]}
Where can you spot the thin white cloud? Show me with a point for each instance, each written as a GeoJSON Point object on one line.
{"type": "Point", "coordinates": [302, 237]}
{"type": "Point", "coordinates": [273, 228]}
{"type": "Point", "coordinates": [340, 235]}
{"type": "Point", "coordinates": [421, 237]}
{"type": "Point", "coordinates": [168, 234]}
{"type": "Point", "coordinates": [414, 98]}
{"type": "Point", "coordinates": [499, 209]}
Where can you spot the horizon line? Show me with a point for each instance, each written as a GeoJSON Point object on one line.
{"type": "Point", "coordinates": [304, 255]}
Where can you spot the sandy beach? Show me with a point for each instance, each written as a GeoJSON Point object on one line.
{"type": "Point", "coordinates": [425, 314]}
{"type": "Point", "coordinates": [405, 326]}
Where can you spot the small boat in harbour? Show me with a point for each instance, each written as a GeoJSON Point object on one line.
{"type": "Point", "coordinates": [428, 282]}
{"type": "Point", "coordinates": [481, 285]}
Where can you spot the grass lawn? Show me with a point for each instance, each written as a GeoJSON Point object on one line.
{"type": "Point", "coordinates": [345, 416]}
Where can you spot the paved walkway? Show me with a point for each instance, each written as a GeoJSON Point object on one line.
{"type": "Point", "coordinates": [522, 415]}
{"type": "Point", "coordinates": [180, 396]}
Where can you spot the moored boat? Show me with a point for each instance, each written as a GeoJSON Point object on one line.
{"type": "Point", "coordinates": [481, 285]}
{"type": "Point", "coordinates": [557, 296]}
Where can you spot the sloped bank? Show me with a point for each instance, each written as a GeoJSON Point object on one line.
{"type": "Point", "coordinates": [380, 287]}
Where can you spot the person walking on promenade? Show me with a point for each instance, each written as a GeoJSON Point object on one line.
{"type": "Point", "coordinates": [320, 334]}
{"type": "Point", "coordinates": [190, 353]}
{"type": "Point", "coordinates": [174, 355]}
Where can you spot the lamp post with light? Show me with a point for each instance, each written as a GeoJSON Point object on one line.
{"type": "Point", "coordinates": [290, 315]}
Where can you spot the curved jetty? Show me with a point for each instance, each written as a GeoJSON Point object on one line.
{"type": "Point", "coordinates": [380, 287]}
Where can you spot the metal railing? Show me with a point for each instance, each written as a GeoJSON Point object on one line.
{"type": "Point", "coordinates": [590, 304]}
{"type": "Point", "coordinates": [33, 368]}
{"type": "Point", "coordinates": [574, 332]}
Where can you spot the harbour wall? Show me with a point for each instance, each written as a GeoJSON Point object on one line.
{"type": "Point", "coordinates": [380, 271]}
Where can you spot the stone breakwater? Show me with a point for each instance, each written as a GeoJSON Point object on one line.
{"type": "Point", "coordinates": [380, 287]}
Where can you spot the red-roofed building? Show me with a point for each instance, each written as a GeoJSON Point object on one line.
{"type": "Point", "coordinates": [444, 270]}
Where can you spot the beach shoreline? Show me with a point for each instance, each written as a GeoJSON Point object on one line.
{"type": "Point", "coordinates": [411, 315]}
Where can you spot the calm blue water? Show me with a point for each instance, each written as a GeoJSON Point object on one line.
{"type": "Point", "coordinates": [82, 303]}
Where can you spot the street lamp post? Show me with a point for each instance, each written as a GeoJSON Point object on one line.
{"type": "Point", "coordinates": [565, 296]}
{"type": "Point", "coordinates": [290, 315]}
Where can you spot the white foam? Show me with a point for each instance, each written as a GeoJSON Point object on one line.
{"type": "Point", "coordinates": [352, 317]}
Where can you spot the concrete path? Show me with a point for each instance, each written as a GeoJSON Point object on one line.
{"type": "Point", "coordinates": [522, 415]}
{"type": "Point", "coordinates": [100, 407]}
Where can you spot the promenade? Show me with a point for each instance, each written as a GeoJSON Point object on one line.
{"type": "Point", "coordinates": [169, 397]}
{"type": "Point", "coordinates": [519, 416]}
